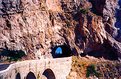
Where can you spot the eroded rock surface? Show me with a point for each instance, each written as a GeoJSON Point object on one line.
{"type": "Point", "coordinates": [37, 26]}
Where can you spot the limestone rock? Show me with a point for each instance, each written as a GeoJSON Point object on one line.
{"type": "Point", "coordinates": [36, 26]}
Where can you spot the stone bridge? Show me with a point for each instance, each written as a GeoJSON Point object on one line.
{"type": "Point", "coordinates": [57, 68]}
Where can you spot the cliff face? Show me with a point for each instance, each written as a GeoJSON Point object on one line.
{"type": "Point", "coordinates": [37, 26]}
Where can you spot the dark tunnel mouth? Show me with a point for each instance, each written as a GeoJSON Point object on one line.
{"type": "Point", "coordinates": [107, 52]}
{"type": "Point", "coordinates": [65, 51]}
{"type": "Point", "coordinates": [106, 55]}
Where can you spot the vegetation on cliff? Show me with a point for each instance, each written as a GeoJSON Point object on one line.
{"type": "Point", "coordinates": [90, 67]}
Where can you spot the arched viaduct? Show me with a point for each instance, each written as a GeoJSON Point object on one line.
{"type": "Point", "coordinates": [57, 68]}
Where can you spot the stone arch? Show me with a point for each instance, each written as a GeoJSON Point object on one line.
{"type": "Point", "coordinates": [61, 51]}
{"type": "Point", "coordinates": [18, 76]}
{"type": "Point", "coordinates": [31, 76]}
{"type": "Point", "coordinates": [49, 74]}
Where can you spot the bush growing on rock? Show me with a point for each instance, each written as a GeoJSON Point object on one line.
{"type": "Point", "coordinates": [12, 55]}
{"type": "Point", "coordinates": [91, 71]}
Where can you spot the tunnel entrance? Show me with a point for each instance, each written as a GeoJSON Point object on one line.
{"type": "Point", "coordinates": [61, 51]}
{"type": "Point", "coordinates": [106, 51]}
{"type": "Point", "coordinates": [30, 76]}
{"type": "Point", "coordinates": [48, 73]}
{"type": "Point", "coordinates": [18, 76]}
{"type": "Point", "coordinates": [109, 55]}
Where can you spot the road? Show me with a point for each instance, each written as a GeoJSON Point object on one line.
{"type": "Point", "coordinates": [4, 66]}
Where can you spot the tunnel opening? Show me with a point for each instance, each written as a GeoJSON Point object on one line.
{"type": "Point", "coordinates": [48, 73]}
{"type": "Point", "coordinates": [18, 76]}
{"type": "Point", "coordinates": [61, 51]}
{"type": "Point", "coordinates": [109, 55]}
{"type": "Point", "coordinates": [31, 76]}
{"type": "Point", "coordinates": [106, 51]}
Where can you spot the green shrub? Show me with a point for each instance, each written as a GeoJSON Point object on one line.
{"type": "Point", "coordinates": [12, 55]}
{"type": "Point", "coordinates": [91, 71]}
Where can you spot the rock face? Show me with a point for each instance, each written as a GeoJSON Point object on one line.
{"type": "Point", "coordinates": [37, 26]}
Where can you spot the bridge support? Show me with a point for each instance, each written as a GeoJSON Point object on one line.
{"type": "Point", "coordinates": [57, 68]}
